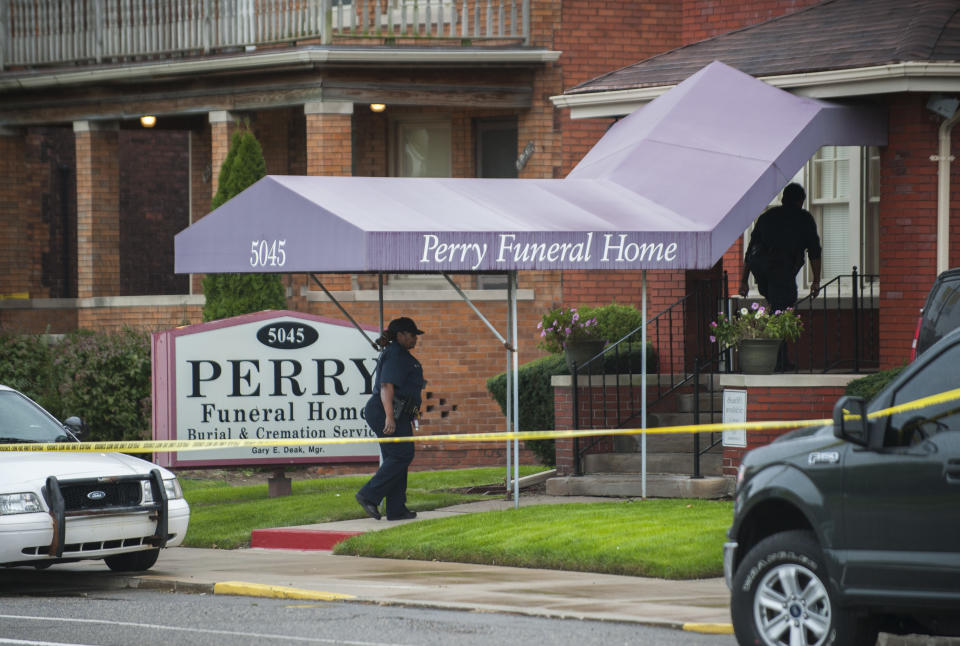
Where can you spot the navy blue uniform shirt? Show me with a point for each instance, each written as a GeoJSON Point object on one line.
{"type": "Point", "coordinates": [400, 368]}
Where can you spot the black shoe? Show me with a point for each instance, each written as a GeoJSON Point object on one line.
{"type": "Point", "coordinates": [407, 515]}
{"type": "Point", "coordinates": [368, 507]}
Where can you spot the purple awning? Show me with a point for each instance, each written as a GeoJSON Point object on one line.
{"type": "Point", "coordinates": [671, 186]}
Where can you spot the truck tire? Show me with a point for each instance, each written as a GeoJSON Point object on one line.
{"type": "Point", "coordinates": [781, 595]}
{"type": "Point", "coordinates": [132, 561]}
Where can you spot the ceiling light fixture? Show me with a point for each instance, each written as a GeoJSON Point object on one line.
{"type": "Point", "coordinates": [148, 121]}
{"type": "Point", "coordinates": [378, 107]}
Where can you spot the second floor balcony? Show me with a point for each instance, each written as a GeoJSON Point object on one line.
{"type": "Point", "coordinates": [46, 33]}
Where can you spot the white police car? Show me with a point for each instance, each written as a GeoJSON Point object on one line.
{"type": "Point", "coordinates": [62, 507]}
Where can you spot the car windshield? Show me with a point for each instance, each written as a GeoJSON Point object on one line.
{"type": "Point", "coordinates": [23, 421]}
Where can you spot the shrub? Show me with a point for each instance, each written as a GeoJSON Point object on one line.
{"type": "Point", "coordinates": [536, 393]}
{"type": "Point", "coordinates": [104, 378]}
{"type": "Point", "coordinates": [606, 323]}
{"type": "Point", "coordinates": [26, 364]}
{"type": "Point", "coordinates": [536, 400]}
{"type": "Point", "coordinates": [868, 387]}
{"type": "Point", "coordinates": [234, 294]}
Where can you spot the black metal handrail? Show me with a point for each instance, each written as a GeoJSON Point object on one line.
{"type": "Point", "coordinates": [682, 355]}
{"type": "Point", "coordinates": [841, 331]}
{"type": "Point", "coordinates": [841, 328]}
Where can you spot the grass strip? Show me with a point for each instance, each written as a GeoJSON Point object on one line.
{"type": "Point", "coordinates": [222, 515]}
{"type": "Point", "coordinates": [671, 539]}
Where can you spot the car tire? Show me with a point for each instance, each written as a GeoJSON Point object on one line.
{"type": "Point", "coordinates": [132, 561]}
{"type": "Point", "coordinates": [782, 595]}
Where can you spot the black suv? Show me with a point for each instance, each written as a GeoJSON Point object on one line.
{"type": "Point", "coordinates": [941, 312]}
{"type": "Point", "coordinates": [842, 531]}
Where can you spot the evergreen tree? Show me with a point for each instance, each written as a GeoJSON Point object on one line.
{"type": "Point", "coordinates": [233, 294]}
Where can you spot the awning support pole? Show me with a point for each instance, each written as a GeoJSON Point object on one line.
{"type": "Point", "coordinates": [643, 384]}
{"type": "Point", "coordinates": [347, 314]}
{"type": "Point", "coordinates": [508, 393]}
{"type": "Point", "coordinates": [466, 299]}
{"type": "Point", "coordinates": [514, 341]}
{"type": "Point", "coordinates": [380, 298]}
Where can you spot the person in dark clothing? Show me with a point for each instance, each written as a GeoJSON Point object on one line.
{"type": "Point", "coordinates": [390, 412]}
{"type": "Point", "coordinates": [775, 253]}
{"type": "Point", "coordinates": [779, 240]}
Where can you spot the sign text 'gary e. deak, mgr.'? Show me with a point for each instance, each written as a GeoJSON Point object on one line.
{"type": "Point", "coordinates": [268, 376]}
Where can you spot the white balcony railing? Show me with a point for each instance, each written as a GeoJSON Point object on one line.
{"type": "Point", "coordinates": [52, 32]}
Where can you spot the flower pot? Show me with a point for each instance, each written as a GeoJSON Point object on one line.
{"type": "Point", "coordinates": [758, 356]}
{"type": "Point", "coordinates": [581, 352]}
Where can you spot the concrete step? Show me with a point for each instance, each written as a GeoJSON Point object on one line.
{"type": "Point", "coordinates": [708, 402]}
{"type": "Point", "coordinates": [668, 418]}
{"type": "Point", "coordinates": [667, 442]}
{"type": "Point", "coordinates": [631, 486]}
{"type": "Point", "coordinates": [711, 463]}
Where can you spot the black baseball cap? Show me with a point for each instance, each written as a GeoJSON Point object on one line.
{"type": "Point", "coordinates": [404, 324]}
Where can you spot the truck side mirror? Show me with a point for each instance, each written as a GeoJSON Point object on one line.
{"type": "Point", "coordinates": [850, 420]}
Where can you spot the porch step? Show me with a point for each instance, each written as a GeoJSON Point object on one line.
{"type": "Point", "coordinates": [659, 462]}
{"type": "Point", "coordinates": [708, 402]}
{"type": "Point", "coordinates": [622, 485]}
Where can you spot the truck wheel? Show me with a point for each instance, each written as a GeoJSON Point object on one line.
{"type": "Point", "coordinates": [132, 561]}
{"type": "Point", "coordinates": [781, 596]}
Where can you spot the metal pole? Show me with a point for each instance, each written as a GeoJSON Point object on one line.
{"type": "Point", "coordinates": [380, 294]}
{"type": "Point", "coordinates": [643, 384]}
{"type": "Point", "coordinates": [516, 392]}
{"type": "Point", "coordinates": [508, 393]}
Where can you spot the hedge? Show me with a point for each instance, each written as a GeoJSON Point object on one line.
{"type": "Point", "coordinates": [103, 378]}
{"type": "Point", "coordinates": [536, 393]}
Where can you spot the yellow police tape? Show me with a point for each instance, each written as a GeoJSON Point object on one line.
{"type": "Point", "coordinates": [166, 446]}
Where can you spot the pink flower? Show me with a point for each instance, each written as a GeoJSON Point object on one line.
{"type": "Point", "coordinates": [713, 339]}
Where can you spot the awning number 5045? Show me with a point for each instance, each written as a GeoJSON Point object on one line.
{"type": "Point", "coordinates": [267, 253]}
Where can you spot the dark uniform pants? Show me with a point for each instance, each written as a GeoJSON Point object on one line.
{"type": "Point", "coordinates": [390, 480]}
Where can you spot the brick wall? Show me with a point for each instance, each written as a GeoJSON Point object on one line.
{"type": "Point", "coordinates": [770, 404]}
{"type": "Point", "coordinates": [98, 210]}
{"type": "Point", "coordinates": [154, 206]}
{"type": "Point", "coordinates": [908, 223]}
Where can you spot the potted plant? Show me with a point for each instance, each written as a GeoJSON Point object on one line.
{"type": "Point", "coordinates": [566, 330]}
{"type": "Point", "coordinates": [757, 335]}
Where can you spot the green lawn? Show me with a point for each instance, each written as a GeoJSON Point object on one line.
{"type": "Point", "coordinates": [674, 539]}
{"type": "Point", "coordinates": [677, 539]}
{"type": "Point", "coordinates": [222, 516]}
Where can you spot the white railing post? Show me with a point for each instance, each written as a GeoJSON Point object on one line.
{"type": "Point", "coordinates": [5, 47]}
{"type": "Point", "coordinates": [207, 35]}
{"type": "Point", "coordinates": [98, 30]}
{"type": "Point", "coordinates": [526, 22]}
{"type": "Point", "coordinates": [326, 21]}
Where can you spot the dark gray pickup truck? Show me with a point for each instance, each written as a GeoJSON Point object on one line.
{"type": "Point", "coordinates": [841, 532]}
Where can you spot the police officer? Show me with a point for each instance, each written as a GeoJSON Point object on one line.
{"type": "Point", "coordinates": [390, 412]}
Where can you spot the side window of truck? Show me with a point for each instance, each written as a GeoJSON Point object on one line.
{"type": "Point", "coordinates": [938, 376]}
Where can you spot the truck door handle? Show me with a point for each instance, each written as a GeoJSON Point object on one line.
{"type": "Point", "coordinates": [952, 472]}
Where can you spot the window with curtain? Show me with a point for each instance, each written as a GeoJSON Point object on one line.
{"type": "Point", "coordinates": [421, 148]}
{"type": "Point", "coordinates": [843, 195]}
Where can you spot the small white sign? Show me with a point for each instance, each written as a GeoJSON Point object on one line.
{"type": "Point", "coordinates": [734, 411]}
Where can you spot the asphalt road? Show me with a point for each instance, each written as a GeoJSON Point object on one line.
{"type": "Point", "coordinates": [91, 616]}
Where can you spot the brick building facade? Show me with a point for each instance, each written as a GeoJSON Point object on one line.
{"type": "Point", "coordinates": [90, 200]}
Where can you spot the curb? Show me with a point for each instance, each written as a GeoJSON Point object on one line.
{"type": "Point", "coordinates": [298, 539]}
{"type": "Point", "coordinates": [244, 589]}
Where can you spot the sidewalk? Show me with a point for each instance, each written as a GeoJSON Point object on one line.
{"type": "Point", "coordinates": [318, 574]}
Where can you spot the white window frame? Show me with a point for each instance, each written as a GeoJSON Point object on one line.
{"type": "Point", "coordinates": [858, 202]}
{"type": "Point", "coordinates": [398, 127]}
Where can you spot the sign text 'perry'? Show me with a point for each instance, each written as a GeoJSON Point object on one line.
{"type": "Point", "coordinates": [267, 376]}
